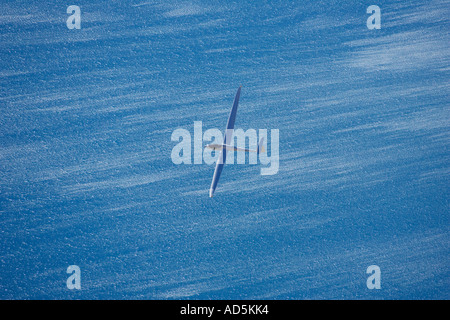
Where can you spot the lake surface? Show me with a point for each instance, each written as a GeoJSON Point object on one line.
{"type": "Point", "coordinates": [87, 179]}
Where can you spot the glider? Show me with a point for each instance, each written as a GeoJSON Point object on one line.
{"type": "Point", "coordinates": [223, 148]}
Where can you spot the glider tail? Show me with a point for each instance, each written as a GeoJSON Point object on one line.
{"type": "Point", "coordinates": [261, 146]}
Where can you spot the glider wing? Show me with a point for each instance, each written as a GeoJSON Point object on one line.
{"type": "Point", "coordinates": [223, 152]}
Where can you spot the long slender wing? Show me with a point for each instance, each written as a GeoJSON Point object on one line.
{"type": "Point", "coordinates": [232, 117]}
{"type": "Point", "coordinates": [219, 166]}
{"type": "Point", "coordinates": [223, 152]}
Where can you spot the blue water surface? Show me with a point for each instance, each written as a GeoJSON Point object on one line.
{"type": "Point", "coordinates": [87, 179]}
